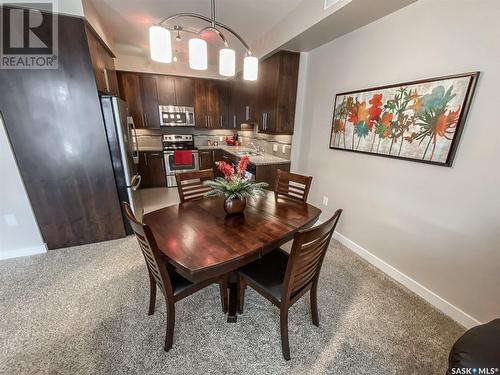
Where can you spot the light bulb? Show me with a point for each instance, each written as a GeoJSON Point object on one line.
{"type": "Point", "coordinates": [198, 54]}
{"type": "Point", "coordinates": [227, 62]}
{"type": "Point", "coordinates": [250, 68]}
{"type": "Point", "coordinates": [160, 45]}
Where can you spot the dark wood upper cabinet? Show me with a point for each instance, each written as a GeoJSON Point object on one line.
{"type": "Point", "coordinates": [212, 99]}
{"type": "Point", "coordinates": [150, 101]}
{"type": "Point", "coordinates": [277, 93]}
{"type": "Point", "coordinates": [130, 91]}
{"type": "Point", "coordinates": [220, 104]}
{"type": "Point", "coordinates": [184, 91]}
{"type": "Point", "coordinates": [103, 64]}
{"type": "Point", "coordinates": [166, 90]}
{"type": "Point", "coordinates": [244, 100]}
{"type": "Point", "coordinates": [200, 103]}
{"type": "Point", "coordinates": [174, 90]}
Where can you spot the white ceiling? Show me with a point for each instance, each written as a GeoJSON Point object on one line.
{"type": "Point", "coordinates": [126, 22]}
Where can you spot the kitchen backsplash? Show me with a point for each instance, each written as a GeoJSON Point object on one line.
{"type": "Point", "coordinates": [151, 139]}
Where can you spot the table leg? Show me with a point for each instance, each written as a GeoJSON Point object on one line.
{"type": "Point", "coordinates": [233, 297]}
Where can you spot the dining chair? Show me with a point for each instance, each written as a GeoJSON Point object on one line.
{"type": "Point", "coordinates": [283, 279]}
{"type": "Point", "coordinates": [292, 186]}
{"type": "Point", "coordinates": [173, 286]}
{"type": "Point", "coordinates": [190, 184]}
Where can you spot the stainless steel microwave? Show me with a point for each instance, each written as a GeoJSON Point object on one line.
{"type": "Point", "coordinates": [174, 115]}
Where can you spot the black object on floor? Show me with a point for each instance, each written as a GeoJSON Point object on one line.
{"type": "Point", "coordinates": [478, 350]}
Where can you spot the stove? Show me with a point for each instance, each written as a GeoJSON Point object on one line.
{"type": "Point", "coordinates": [178, 142]}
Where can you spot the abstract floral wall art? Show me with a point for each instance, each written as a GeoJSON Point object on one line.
{"type": "Point", "coordinates": [418, 121]}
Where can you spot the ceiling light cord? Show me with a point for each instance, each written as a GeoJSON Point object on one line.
{"type": "Point", "coordinates": [207, 19]}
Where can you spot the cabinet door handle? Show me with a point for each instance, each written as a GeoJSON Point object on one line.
{"type": "Point", "coordinates": [234, 121]}
{"type": "Point", "coordinates": [144, 119]}
{"type": "Point", "coordinates": [263, 121]}
{"type": "Point", "coordinates": [220, 121]}
{"type": "Point", "coordinates": [247, 112]}
{"type": "Point", "coordinates": [206, 122]}
{"type": "Point", "coordinates": [145, 159]}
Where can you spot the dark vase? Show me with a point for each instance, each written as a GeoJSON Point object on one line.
{"type": "Point", "coordinates": [235, 206]}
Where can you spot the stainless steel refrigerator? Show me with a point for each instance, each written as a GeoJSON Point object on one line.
{"type": "Point", "coordinates": [123, 149]}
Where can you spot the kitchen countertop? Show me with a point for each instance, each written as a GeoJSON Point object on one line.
{"type": "Point", "coordinates": [264, 159]}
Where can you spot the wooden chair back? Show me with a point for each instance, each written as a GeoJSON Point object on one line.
{"type": "Point", "coordinates": [152, 255]}
{"type": "Point", "coordinates": [306, 257]}
{"type": "Point", "coordinates": [190, 184]}
{"type": "Point", "coordinates": [292, 186]}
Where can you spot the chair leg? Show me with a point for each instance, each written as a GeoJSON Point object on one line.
{"type": "Point", "coordinates": [314, 304]}
{"type": "Point", "coordinates": [169, 337]}
{"type": "Point", "coordinates": [285, 345]}
{"type": "Point", "coordinates": [152, 294]}
{"type": "Point", "coordinates": [241, 294]}
{"type": "Point", "coordinates": [223, 293]}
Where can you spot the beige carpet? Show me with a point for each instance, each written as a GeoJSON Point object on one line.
{"type": "Point", "coordinates": [83, 310]}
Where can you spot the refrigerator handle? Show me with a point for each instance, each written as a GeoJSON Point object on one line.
{"type": "Point", "coordinates": [130, 121]}
{"type": "Point", "coordinates": [136, 182]}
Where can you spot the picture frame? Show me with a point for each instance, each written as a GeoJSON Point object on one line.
{"type": "Point", "coordinates": [418, 121]}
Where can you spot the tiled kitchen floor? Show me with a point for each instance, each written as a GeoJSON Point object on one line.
{"type": "Point", "coordinates": [156, 198]}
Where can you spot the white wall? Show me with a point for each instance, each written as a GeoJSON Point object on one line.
{"type": "Point", "coordinates": [19, 233]}
{"type": "Point", "coordinates": [439, 226]}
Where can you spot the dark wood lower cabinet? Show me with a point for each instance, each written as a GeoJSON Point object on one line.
{"type": "Point", "coordinates": [152, 169]}
{"type": "Point", "coordinates": [263, 173]}
{"type": "Point", "coordinates": [267, 173]}
{"type": "Point", "coordinates": [54, 122]}
{"type": "Point", "coordinates": [206, 159]}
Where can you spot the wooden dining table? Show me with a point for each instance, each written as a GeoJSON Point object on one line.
{"type": "Point", "coordinates": [201, 241]}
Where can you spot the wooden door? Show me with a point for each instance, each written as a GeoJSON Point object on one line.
{"type": "Point", "coordinates": [184, 91]}
{"type": "Point", "coordinates": [152, 169]}
{"type": "Point", "coordinates": [268, 92]}
{"type": "Point", "coordinates": [149, 96]}
{"type": "Point", "coordinates": [130, 91]}
{"type": "Point", "coordinates": [223, 103]}
{"type": "Point", "coordinates": [286, 93]}
{"type": "Point", "coordinates": [206, 159]}
{"type": "Point", "coordinates": [200, 104]}
{"type": "Point", "coordinates": [212, 104]}
{"type": "Point", "coordinates": [103, 64]}
{"type": "Point", "coordinates": [166, 90]}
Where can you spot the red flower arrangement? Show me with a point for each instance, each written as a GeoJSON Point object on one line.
{"type": "Point", "coordinates": [234, 185]}
{"type": "Point", "coordinates": [228, 171]}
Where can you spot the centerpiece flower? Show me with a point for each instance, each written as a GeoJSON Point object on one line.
{"type": "Point", "coordinates": [234, 186]}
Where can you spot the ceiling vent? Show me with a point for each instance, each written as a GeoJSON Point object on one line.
{"type": "Point", "coordinates": [330, 3]}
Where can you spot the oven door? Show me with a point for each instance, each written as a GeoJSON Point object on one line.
{"type": "Point", "coordinates": [172, 168]}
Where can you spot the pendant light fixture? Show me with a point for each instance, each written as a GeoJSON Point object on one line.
{"type": "Point", "coordinates": [198, 58]}
{"type": "Point", "coordinates": [250, 68]}
{"type": "Point", "coordinates": [227, 62]}
{"type": "Point", "coordinates": [161, 46]}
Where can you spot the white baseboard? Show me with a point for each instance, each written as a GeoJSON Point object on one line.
{"type": "Point", "coordinates": [23, 252]}
{"type": "Point", "coordinates": [441, 304]}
